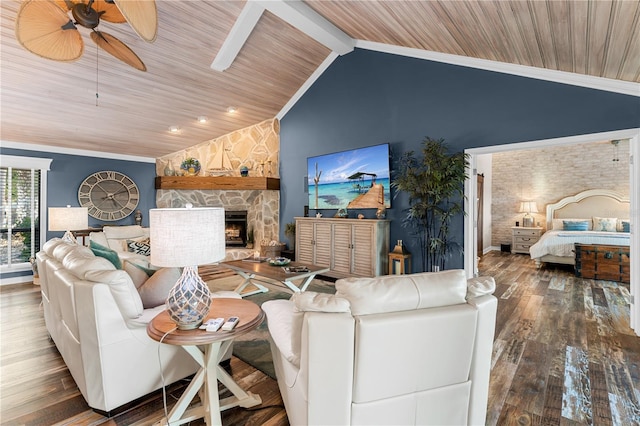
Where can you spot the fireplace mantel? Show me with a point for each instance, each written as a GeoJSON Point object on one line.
{"type": "Point", "coordinates": [217, 182]}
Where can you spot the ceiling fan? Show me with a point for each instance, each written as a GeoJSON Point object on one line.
{"type": "Point", "coordinates": [44, 27]}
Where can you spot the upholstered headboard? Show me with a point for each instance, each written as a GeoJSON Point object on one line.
{"type": "Point", "coordinates": [587, 204]}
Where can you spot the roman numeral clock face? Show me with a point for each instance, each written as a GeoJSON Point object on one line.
{"type": "Point", "coordinates": [109, 195]}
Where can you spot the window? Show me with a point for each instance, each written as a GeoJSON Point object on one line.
{"type": "Point", "coordinates": [22, 189]}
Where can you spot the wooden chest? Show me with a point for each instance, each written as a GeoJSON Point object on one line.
{"type": "Point", "coordinates": [603, 262]}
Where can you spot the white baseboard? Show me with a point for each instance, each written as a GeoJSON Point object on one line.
{"type": "Point", "coordinates": [16, 280]}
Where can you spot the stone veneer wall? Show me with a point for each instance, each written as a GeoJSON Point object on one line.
{"type": "Point", "coordinates": [251, 147]}
{"type": "Point", "coordinates": [547, 175]}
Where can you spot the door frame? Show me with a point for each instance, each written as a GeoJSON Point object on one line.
{"type": "Point", "coordinates": [470, 191]}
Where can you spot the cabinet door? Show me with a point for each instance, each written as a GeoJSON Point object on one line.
{"type": "Point", "coordinates": [364, 260]}
{"type": "Point", "coordinates": [304, 241]}
{"type": "Point", "coordinates": [322, 246]}
{"type": "Point", "coordinates": [342, 246]}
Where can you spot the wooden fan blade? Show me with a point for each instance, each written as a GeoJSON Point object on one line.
{"type": "Point", "coordinates": [43, 28]}
{"type": "Point", "coordinates": [111, 11]}
{"type": "Point", "coordinates": [142, 15]}
{"type": "Point", "coordinates": [118, 49]}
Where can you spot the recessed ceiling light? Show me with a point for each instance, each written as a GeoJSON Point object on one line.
{"type": "Point", "coordinates": [174, 129]}
{"type": "Point", "coordinates": [202, 119]}
{"type": "Point", "coordinates": [232, 109]}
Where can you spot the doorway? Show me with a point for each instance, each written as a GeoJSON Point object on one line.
{"type": "Point", "coordinates": [471, 193]}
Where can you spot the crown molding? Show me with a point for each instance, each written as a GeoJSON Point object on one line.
{"type": "Point", "coordinates": [563, 77]}
{"type": "Point", "coordinates": [73, 151]}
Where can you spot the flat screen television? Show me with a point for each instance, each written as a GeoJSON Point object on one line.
{"type": "Point", "coordinates": [354, 179]}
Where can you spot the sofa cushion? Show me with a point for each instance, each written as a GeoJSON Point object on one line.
{"type": "Point", "coordinates": [392, 293]}
{"type": "Point", "coordinates": [480, 286]}
{"type": "Point", "coordinates": [285, 328]}
{"type": "Point", "coordinates": [107, 253]}
{"type": "Point", "coordinates": [122, 289]}
{"type": "Point", "coordinates": [82, 260]}
{"type": "Point", "coordinates": [310, 301]}
{"type": "Point", "coordinates": [137, 274]}
{"type": "Point", "coordinates": [62, 249]}
{"type": "Point", "coordinates": [50, 245]}
{"type": "Point", "coordinates": [156, 288]}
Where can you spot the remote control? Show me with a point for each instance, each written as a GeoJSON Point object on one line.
{"type": "Point", "coordinates": [215, 325]}
{"type": "Point", "coordinates": [230, 324]}
{"type": "Point", "coordinates": [211, 321]}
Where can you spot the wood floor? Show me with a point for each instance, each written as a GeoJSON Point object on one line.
{"type": "Point", "coordinates": [563, 355]}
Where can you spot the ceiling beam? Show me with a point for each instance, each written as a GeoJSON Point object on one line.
{"type": "Point", "coordinates": [238, 35]}
{"type": "Point", "coordinates": [294, 12]}
{"type": "Point", "coordinates": [307, 20]}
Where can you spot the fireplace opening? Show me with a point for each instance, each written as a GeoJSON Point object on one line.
{"type": "Point", "coordinates": [235, 228]}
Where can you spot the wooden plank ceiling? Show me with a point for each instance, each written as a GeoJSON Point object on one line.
{"type": "Point", "coordinates": [54, 103]}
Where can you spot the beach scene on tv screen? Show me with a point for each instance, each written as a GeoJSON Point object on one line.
{"type": "Point", "coordinates": [355, 179]}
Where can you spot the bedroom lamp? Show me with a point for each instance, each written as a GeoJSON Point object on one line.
{"type": "Point", "coordinates": [187, 237]}
{"type": "Point", "coordinates": [528, 207]}
{"type": "Point", "coordinates": [68, 219]}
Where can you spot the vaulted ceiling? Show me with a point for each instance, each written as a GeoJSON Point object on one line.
{"type": "Point", "coordinates": [257, 56]}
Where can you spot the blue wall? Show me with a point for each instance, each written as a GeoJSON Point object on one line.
{"type": "Point", "coordinates": [367, 98]}
{"type": "Point", "coordinates": [68, 171]}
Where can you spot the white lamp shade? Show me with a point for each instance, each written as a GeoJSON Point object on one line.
{"type": "Point", "coordinates": [68, 218]}
{"type": "Point", "coordinates": [187, 236]}
{"type": "Point", "coordinates": [528, 207]}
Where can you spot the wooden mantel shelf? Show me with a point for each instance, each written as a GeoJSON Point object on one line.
{"type": "Point", "coordinates": [217, 182]}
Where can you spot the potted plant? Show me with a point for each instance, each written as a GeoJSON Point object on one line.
{"type": "Point", "coordinates": [434, 182]}
{"type": "Point", "coordinates": [290, 233]}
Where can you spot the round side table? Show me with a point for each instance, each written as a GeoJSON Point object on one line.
{"type": "Point", "coordinates": [207, 348]}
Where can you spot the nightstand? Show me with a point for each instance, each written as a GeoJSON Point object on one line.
{"type": "Point", "coordinates": [524, 237]}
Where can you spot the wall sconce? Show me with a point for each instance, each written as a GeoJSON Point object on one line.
{"type": "Point", "coordinates": [528, 207]}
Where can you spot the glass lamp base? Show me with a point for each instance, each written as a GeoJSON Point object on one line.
{"type": "Point", "coordinates": [189, 300]}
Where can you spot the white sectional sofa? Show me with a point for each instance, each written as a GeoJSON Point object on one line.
{"type": "Point", "coordinates": [96, 318]}
{"type": "Point", "coordinates": [116, 237]}
{"type": "Point", "coordinates": [393, 350]}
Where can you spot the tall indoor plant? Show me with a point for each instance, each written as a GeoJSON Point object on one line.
{"type": "Point", "coordinates": [434, 182]}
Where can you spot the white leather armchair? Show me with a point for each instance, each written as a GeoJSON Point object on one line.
{"type": "Point", "coordinates": [397, 350]}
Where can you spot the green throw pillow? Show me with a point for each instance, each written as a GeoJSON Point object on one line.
{"type": "Point", "coordinates": [107, 253]}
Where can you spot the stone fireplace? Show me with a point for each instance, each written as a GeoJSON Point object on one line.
{"type": "Point", "coordinates": [262, 206]}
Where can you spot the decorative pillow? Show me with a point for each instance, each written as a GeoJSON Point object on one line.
{"type": "Point", "coordinates": [107, 253]}
{"type": "Point", "coordinates": [626, 226]}
{"type": "Point", "coordinates": [558, 224]}
{"type": "Point", "coordinates": [607, 224]}
{"type": "Point", "coordinates": [139, 247]}
{"type": "Point", "coordinates": [155, 290]}
{"type": "Point", "coordinates": [139, 274]}
{"type": "Point", "coordinates": [571, 225]}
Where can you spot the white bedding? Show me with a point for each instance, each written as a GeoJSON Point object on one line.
{"type": "Point", "coordinates": [561, 243]}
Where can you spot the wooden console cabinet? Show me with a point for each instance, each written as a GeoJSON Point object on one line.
{"type": "Point", "coordinates": [347, 246]}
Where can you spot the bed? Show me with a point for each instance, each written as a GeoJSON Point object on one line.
{"type": "Point", "coordinates": [566, 222]}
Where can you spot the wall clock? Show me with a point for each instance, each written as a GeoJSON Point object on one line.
{"type": "Point", "coordinates": [109, 195]}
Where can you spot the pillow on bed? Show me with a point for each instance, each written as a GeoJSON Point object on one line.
{"type": "Point", "coordinates": [558, 224]}
{"type": "Point", "coordinates": [607, 224]}
{"type": "Point", "coordinates": [575, 225]}
{"type": "Point", "coordinates": [625, 226]}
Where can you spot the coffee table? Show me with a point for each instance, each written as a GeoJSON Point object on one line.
{"type": "Point", "coordinates": [250, 269]}
{"type": "Point", "coordinates": [207, 348]}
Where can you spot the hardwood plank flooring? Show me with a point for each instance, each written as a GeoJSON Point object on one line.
{"type": "Point", "coordinates": [563, 355]}
{"type": "Point", "coordinates": [563, 351]}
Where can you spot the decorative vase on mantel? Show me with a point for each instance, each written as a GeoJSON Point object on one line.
{"type": "Point", "coordinates": [168, 169]}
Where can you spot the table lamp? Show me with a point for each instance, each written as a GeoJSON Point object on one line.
{"type": "Point", "coordinates": [528, 207]}
{"type": "Point", "coordinates": [67, 219]}
{"type": "Point", "coordinates": [187, 237]}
